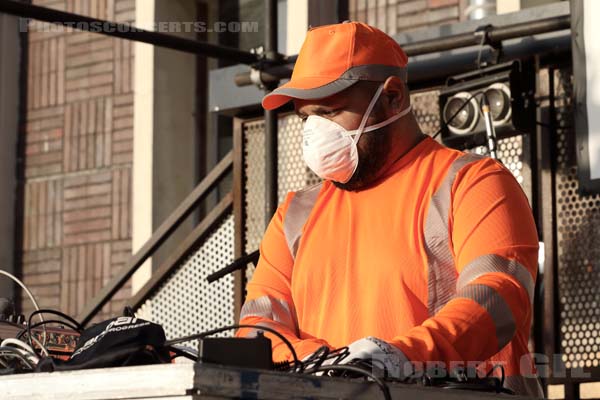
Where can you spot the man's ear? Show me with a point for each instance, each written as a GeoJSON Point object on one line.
{"type": "Point", "coordinates": [394, 91]}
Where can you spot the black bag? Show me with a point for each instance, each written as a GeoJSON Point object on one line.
{"type": "Point", "coordinates": [121, 341]}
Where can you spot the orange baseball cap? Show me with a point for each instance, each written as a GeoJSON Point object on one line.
{"type": "Point", "coordinates": [334, 57]}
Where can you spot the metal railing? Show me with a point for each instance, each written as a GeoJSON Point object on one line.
{"type": "Point", "coordinates": [164, 231]}
{"type": "Point", "coordinates": [125, 31]}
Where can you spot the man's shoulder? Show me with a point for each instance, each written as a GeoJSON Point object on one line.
{"type": "Point", "coordinates": [443, 163]}
{"type": "Point", "coordinates": [461, 168]}
{"type": "Point", "coordinates": [484, 173]}
{"type": "Point", "coordinates": [447, 157]}
{"type": "Point", "coordinates": [309, 188]}
{"type": "Point", "coordinates": [304, 197]}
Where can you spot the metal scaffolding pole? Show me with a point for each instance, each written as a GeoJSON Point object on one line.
{"type": "Point", "coordinates": [271, 199]}
{"type": "Point", "coordinates": [125, 31]}
{"type": "Point", "coordinates": [495, 35]}
{"type": "Point", "coordinates": [491, 36]}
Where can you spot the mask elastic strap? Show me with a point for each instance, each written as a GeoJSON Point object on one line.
{"type": "Point", "coordinates": [368, 113]}
{"type": "Point", "coordinates": [389, 120]}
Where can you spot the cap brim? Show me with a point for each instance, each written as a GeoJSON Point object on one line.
{"type": "Point", "coordinates": [306, 89]}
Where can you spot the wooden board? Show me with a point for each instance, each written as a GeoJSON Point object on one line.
{"type": "Point", "coordinates": [172, 381]}
{"type": "Point", "coordinates": [205, 381]}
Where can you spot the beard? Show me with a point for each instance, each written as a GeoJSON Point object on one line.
{"type": "Point", "coordinates": [373, 150]}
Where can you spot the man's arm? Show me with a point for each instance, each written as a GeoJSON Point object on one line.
{"type": "Point", "coordinates": [269, 301]}
{"type": "Point", "coordinates": [495, 248]}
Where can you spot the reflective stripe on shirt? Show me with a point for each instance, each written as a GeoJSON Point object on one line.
{"type": "Point", "coordinates": [270, 308]}
{"type": "Point", "coordinates": [297, 213]}
{"type": "Point", "coordinates": [496, 307]}
{"type": "Point", "coordinates": [441, 280]}
{"type": "Point", "coordinates": [494, 263]}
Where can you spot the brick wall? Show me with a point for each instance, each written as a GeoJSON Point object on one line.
{"type": "Point", "coordinates": [393, 16]}
{"type": "Point", "coordinates": [78, 159]}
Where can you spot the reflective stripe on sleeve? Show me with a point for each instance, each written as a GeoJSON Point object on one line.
{"type": "Point", "coordinates": [441, 270]}
{"type": "Point", "coordinates": [496, 307]}
{"type": "Point", "coordinates": [494, 263]}
{"type": "Point", "coordinates": [270, 308]}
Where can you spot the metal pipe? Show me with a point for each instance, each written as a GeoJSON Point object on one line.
{"type": "Point", "coordinates": [125, 31]}
{"type": "Point", "coordinates": [272, 76]}
{"type": "Point", "coordinates": [435, 70]}
{"type": "Point", "coordinates": [271, 198]}
{"type": "Point", "coordinates": [271, 29]}
{"type": "Point", "coordinates": [531, 28]}
{"type": "Point", "coordinates": [496, 35]}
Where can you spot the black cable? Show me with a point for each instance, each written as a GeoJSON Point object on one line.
{"type": "Point", "coordinates": [320, 356]}
{"type": "Point", "coordinates": [339, 354]}
{"type": "Point", "coordinates": [201, 335]}
{"type": "Point", "coordinates": [45, 322]}
{"type": "Point", "coordinates": [382, 385]}
{"type": "Point", "coordinates": [491, 371]}
{"type": "Point", "coordinates": [442, 122]}
{"type": "Point", "coordinates": [49, 311]}
{"type": "Point", "coordinates": [502, 378]}
{"type": "Point", "coordinates": [282, 366]}
{"type": "Point", "coordinates": [317, 358]}
{"type": "Point", "coordinates": [181, 353]}
{"type": "Point", "coordinates": [371, 364]}
{"type": "Point", "coordinates": [58, 313]}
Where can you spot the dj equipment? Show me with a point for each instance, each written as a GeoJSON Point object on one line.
{"type": "Point", "coordinates": [237, 352]}
{"type": "Point", "coordinates": [209, 381]}
{"type": "Point", "coordinates": [121, 341]}
{"type": "Point", "coordinates": [60, 342]}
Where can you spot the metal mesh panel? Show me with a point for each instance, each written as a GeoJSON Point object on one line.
{"type": "Point", "coordinates": [511, 153]}
{"type": "Point", "coordinates": [514, 154]}
{"type": "Point", "coordinates": [254, 192]}
{"type": "Point", "coordinates": [578, 244]}
{"type": "Point", "coordinates": [426, 110]}
{"type": "Point", "coordinates": [186, 303]}
{"type": "Point", "coordinates": [293, 174]}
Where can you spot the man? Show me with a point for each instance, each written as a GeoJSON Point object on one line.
{"type": "Point", "coordinates": [407, 251]}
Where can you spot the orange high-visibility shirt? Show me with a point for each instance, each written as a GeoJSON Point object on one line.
{"type": "Point", "coordinates": [439, 258]}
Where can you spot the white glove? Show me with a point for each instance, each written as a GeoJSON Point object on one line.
{"type": "Point", "coordinates": [380, 354]}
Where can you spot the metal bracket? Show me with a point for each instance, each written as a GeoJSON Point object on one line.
{"type": "Point", "coordinates": [265, 60]}
{"type": "Point", "coordinates": [483, 32]}
{"type": "Point", "coordinates": [256, 68]}
{"type": "Point", "coordinates": [259, 51]}
{"type": "Point", "coordinates": [256, 78]}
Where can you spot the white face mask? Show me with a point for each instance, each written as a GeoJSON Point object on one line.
{"type": "Point", "coordinates": [330, 150]}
